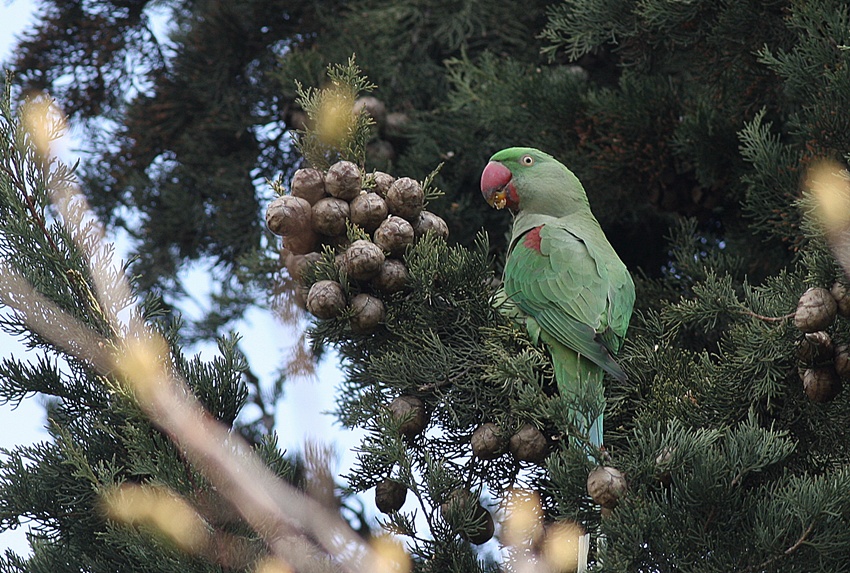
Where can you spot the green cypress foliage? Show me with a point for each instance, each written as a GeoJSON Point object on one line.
{"type": "Point", "coordinates": [100, 439]}
{"type": "Point", "coordinates": [693, 126]}
{"type": "Point", "coordinates": [728, 423]}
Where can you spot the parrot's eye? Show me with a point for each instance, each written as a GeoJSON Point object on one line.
{"type": "Point", "coordinates": [526, 160]}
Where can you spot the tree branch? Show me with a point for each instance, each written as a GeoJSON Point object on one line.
{"type": "Point", "coordinates": [748, 312]}
{"type": "Point", "coordinates": [788, 552]}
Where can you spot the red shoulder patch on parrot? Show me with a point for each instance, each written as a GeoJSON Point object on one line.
{"type": "Point", "coordinates": [532, 239]}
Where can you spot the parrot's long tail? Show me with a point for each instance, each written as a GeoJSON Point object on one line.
{"type": "Point", "coordinates": [580, 383]}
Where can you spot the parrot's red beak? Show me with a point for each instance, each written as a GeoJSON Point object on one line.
{"type": "Point", "coordinates": [497, 188]}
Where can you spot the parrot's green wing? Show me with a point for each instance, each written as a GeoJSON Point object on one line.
{"type": "Point", "coordinates": [575, 287]}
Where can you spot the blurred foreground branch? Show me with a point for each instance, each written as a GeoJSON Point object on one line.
{"type": "Point", "coordinates": [134, 361]}
{"type": "Point", "coordinates": [828, 183]}
{"type": "Point", "coordinates": [288, 520]}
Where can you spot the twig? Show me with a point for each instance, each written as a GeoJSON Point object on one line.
{"type": "Point", "coordinates": [748, 312]}
{"type": "Point", "coordinates": [789, 551]}
{"type": "Point", "coordinates": [711, 515]}
{"type": "Point", "coordinates": [31, 208]}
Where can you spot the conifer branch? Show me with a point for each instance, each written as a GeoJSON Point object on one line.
{"type": "Point", "coordinates": [38, 220]}
{"type": "Point", "coordinates": [274, 509]}
{"type": "Point", "coordinates": [749, 312]}
{"type": "Point", "coordinates": [336, 130]}
{"type": "Point", "coordinates": [787, 553]}
{"type": "Point", "coordinates": [136, 365]}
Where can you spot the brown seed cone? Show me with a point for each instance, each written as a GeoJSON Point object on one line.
{"type": "Point", "coordinates": [330, 215]}
{"type": "Point", "coordinates": [458, 503]}
{"type": "Point", "coordinates": [484, 527]}
{"type": "Point", "coordinates": [300, 296]}
{"type": "Point", "coordinates": [841, 359]}
{"type": "Point", "coordinates": [487, 441]}
{"type": "Point", "coordinates": [297, 264]}
{"type": "Point", "coordinates": [297, 119]}
{"type": "Point", "coordinates": [390, 495]}
{"type": "Point", "coordinates": [380, 152]}
{"type": "Point", "coordinates": [412, 410]}
{"type": "Point", "coordinates": [428, 221]}
{"type": "Point", "coordinates": [343, 180]}
{"type": "Point", "coordinates": [339, 260]}
{"type": "Point", "coordinates": [814, 348]}
{"type": "Point", "coordinates": [363, 260]}
{"type": "Point", "coordinates": [301, 243]}
{"type": "Point", "coordinates": [326, 299]}
{"type": "Point", "coordinates": [405, 199]}
{"type": "Point", "coordinates": [288, 215]}
{"type": "Point", "coordinates": [842, 298]}
{"type": "Point", "coordinates": [383, 181]}
{"type": "Point", "coordinates": [606, 485]}
{"type": "Point", "coordinates": [309, 184]}
{"type": "Point", "coordinates": [815, 310]}
{"type": "Point", "coordinates": [368, 313]}
{"type": "Point", "coordinates": [392, 277]}
{"type": "Point", "coordinates": [394, 235]}
{"type": "Point", "coordinates": [368, 210]}
{"type": "Point", "coordinates": [396, 125]}
{"type": "Point", "coordinates": [662, 466]}
{"type": "Point", "coordinates": [374, 107]}
{"type": "Point", "coordinates": [529, 444]}
{"type": "Point", "coordinates": [821, 384]}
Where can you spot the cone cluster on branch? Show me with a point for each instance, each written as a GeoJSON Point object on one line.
{"type": "Point", "coordinates": [322, 207]}
{"type": "Point", "coordinates": [389, 127]}
{"type": "Point", "coordinates": [823, 365]}
{"type": "Point", "coordinates": [527, 444]}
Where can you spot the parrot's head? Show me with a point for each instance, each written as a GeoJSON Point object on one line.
{"type": "Point", "coordinates": [527, 179]}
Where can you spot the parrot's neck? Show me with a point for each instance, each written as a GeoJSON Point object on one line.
{"type": "Point", "coordinates": [580, 221]}
{"type": "Point", "coordinates": [524, 222]}
{"type": "Point", "coordinates": [557, 194]}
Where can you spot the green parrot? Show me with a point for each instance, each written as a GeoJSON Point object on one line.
{"type": "Point", "coordinates": [562, 274]}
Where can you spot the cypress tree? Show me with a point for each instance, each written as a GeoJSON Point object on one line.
{"type": "Point", "coordinates": [700, 131]}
